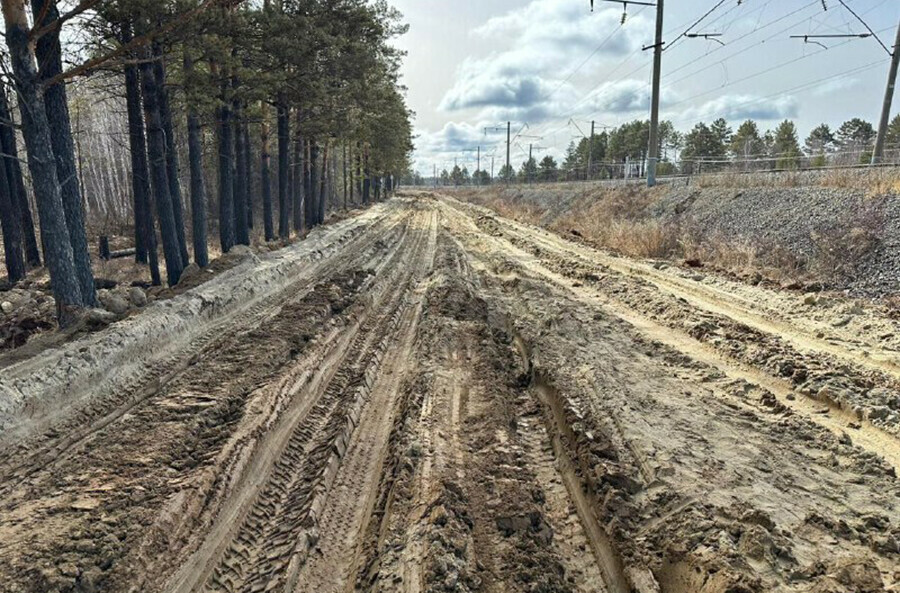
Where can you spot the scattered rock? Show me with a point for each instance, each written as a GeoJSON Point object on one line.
{"type": "Point", "coordinates": [841, 321]}
{"type": "Point", "coordinates": [240, 250]}
{"type": "Point", "coordinates": [693, 263]}
{"type": "Point", "coordinates": [137, 297]}
{"type": "Point", "coordinates": [99, 318]}
{"type": "Point", "coordinates": [810, 298]}
{"type": "Point", "coordinates": [114, 303]}
{"type": "Point", "coordinates": [7, 307]}
{"type": "Point", "coordinates": [189, 272]}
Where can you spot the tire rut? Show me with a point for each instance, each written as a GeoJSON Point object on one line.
{"type": "Point", "coordinates": [273, 540]}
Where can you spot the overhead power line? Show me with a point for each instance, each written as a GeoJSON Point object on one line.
{"type": "Point", "coordinates": [697, 22]}
{"type": "Point", "coordinates": [866, 25]}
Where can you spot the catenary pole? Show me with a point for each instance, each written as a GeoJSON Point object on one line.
{"type": "Point", "coordinates": [478, 166]}
{"type": "Point", "coordinates": [590, 153]}
{"type": "Point", "coordinates": [508, 141]}
{"type": "Point", "coordinates": [654, 104]}
{"type": "Point", "coordinates": [878, 154]}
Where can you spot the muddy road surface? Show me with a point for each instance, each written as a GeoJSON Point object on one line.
{"type": "Point", "coordinates": [427, 397]}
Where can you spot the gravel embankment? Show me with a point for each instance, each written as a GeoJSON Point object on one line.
{"type": "Point", "coordinates": [858, 230]}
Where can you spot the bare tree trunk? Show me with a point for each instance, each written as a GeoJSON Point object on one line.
{"type": "Point", "coordinates": [242, 232]}
{"type": "Point", "coordinates": [284, 172]}
{"type": "Point", "coordinates": [226, 179]}
{"type": "Point", "coordinates": [18, 196]}
{"type": "Point", "coordinates": [165, 114]}
{"type": "Point", "coordinates": [198, 188]}
{"type": "Point", "coordinates": [145, 233]}
{"type": "Point", "coordinates": [312, 198]}
{"type": "Point", "coordinates": [323, 189]}
{"type": "Point", "coordinates": [41, 162]}
{"type": "Point", "coordinates": [301, 192]}
{"type": "Point", "coordinates": [159, 177]}
{"type": "Point", "coordinates": [140, 180]}
{"type": "Point", "coordinates": [266, 177]}
{"type": "Point", "coordinates": [248, 165]}
{"type": "Point", "coordinates": [359, 172]}
{"type": "Point", "coordinates": [49, 57]}
{"type": "Point", "coordinates": [12, 231]}
{"type": "Point", "coordinates": [344, 164]}
{"type": "Point", "coordinates": [367, 178]}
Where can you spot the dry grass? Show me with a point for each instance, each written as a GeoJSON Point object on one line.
{"type": "Point", "coordinates": [878, 181]}
{"type": "Point", "coordinates": [620, 219]}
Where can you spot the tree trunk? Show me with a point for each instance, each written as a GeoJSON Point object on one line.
{"type": "Point", "coordinates": [323, 189]}
{"type": "Point", "coordinates": [301, 192]}
{"type": "Point", "coordinates": [49, 57]}
{"type": "Point", "coordinates": [165, 114]}
{"type": "Point", "coordinates": [159, 177]}
{"type": "Point", "coordinates": [248, 165]}
{"type": "Point", "coordinates": [266, 178]}
{"type": "Point", "coordinates": [359, 172]}
{"type": "Point", "coordinates": [284, 172]}
{"type": "Point", "coordinates": [242, 232]}
{"type": "Point", "coordinates": [367, 178]}
{"type": "Point", "coordinates": [144, 231]}
{"type": "Point", "coordinates": [313, 196]}
{"type": "Point", "coordinates": [345, 180]}
{"type": "Point", "coordinates": [18, 195]}
{"type": "Point", "coordinates": [12, 231]}
{"type": "Point", "coordinates": [198, 188]}
{"type": "Point", "coordinates": [226, 180]}
{"type": "Point", "coordinates": [41, 162]}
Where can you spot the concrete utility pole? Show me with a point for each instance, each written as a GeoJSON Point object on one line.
{"type": "Point", "coordinates": [508, 139]}
{"type": "Point", "coordinates": [654, 102]}
{"type": "Point", "coordinates": [878, 154]}
{"type": "Point", "coordinates": [478, 167]}
{"type": "Point", "coordinates": [590, 154]}
{"type": "Point", "coordinates": [530, 146]}
{"type": "Point", "coordinates": [492, 168]}
{"type": "Point", "coordinates": [435, 176]}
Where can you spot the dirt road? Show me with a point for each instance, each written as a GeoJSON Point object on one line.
{"type": "Point", "coordinates": [427, 397]}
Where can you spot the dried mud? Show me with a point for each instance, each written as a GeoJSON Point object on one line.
{"type": "Point", "coordinates": [443, 400]}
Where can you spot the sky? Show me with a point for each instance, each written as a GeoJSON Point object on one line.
{"type": "Point", "coordinates": [551, 67]}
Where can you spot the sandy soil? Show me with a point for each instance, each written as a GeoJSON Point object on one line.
{"type": "Point", "coordinates": [427, 397]}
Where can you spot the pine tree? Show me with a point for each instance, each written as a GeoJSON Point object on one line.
{"type": "Point", "coordinates": [746, 144]}
{"type": "Point", "coordinates": [41, 161]}
{"type": "Point", "coordinates": [48, 53]}
{"type": "Point", "coordinates": [819, 143]}
{"type": "Point", "coordinates": [549, 171]}
{"type": "Point", "coordinates": [786, 149]}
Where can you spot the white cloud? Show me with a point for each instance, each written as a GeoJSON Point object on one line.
{"type": "Point", "coordinates": [832, 86]}
{"type": "Point", "coordinates": [547, 40]}
{"type": "Point", "coordinates": [742, 107]}
{"type": "Point", "coordinates": [624, 97]}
